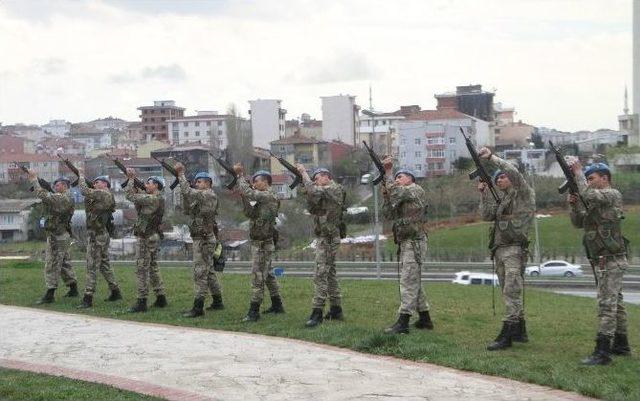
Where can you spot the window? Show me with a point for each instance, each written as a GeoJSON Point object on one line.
{"type": "Point", "coordinates": [435, 152]}
{"type": "Point", "coordinates": [418, 153]}
{"type": "Point", "coordinates": [197, 133]}
{"type": "Point", "coordinates": [197, 123]}
{"type": "Point", "coordinates": [208, 123]}
{"type": "Point", "coordinates": [476, 281]}
{"type": "Point", "coordinates": [174, 125]}
{"type": "Point", "coordinates": [220, 123]}
{"type": "Point", "coordinates": [220, 132]}
{"type": "Point", "coordinates": [439, 166]}
{"type": "Point", "coordinates": [186, 134]}
{"type": "Point", "coordinates": [417, 141]}
{"type": "Point", "coordinates": [452, 140]}
{"type": "Point", "coordinates": [403, 154]}
{"type": "Point", "coordinates": [418, 167]}
{"type": "Point", "coordinates": [403, 141]}
{"type": "Point", "coordinates": [185, 124]}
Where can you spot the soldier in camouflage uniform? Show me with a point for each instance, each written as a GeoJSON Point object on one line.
{"type": "Point", "coordinates": [58, 212]}
{"type": "Point", "coordinates": [326, 202]}
{"type": "Point", "coordinates": [99, 207]}
{"type": "Point", "coordinates": [406, 205]}
{"type": "Point", "coordinates": [150, 209]}
{"type": "Point", "coordinates": [607, 252]}
{"type": "Point", "coordinates": [261, 206]}
{"type": "Point", "coordinates": [202, 209]}
{"type": "Point", "coordinates": [510, 241]}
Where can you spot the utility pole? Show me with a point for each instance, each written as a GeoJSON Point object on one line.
{"type": "Point", "coordinates": [376, 228]}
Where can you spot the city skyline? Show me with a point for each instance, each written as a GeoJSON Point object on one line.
{"type": "Point", "coordinates": [90, 59]}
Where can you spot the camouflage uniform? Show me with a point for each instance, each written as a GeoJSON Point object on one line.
{"type": "Point", "coordinates": [150, 209]}
{"type": "Point", "coordinates": [59, 210]}
{"type": "Point", "coordinates": [326, 204]}
{"type": "Point", "coordinates": [99, 208]}
{"type": "Point", "coordinates": [202, 208]}
{"type": "Point", "coordinates": [512, 220]}
{"type": "Point", "coordinates": [406, 206]}
{"type": "Point", "coordinates": [262, 234]}
{"type": "Point", "coordinates": [606, 250]}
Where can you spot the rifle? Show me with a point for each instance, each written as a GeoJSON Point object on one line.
{"type": "Point", "coordinates": [43, 183]}
{"type": "Point", "coordinates": [570, 181]}
{"type": "Point", "coordinates": [480, 171]}
{"type": "Point", "coordinates": [170, 169]}
{"type": "Point", "coordinates": [136, 182]}
{"type": "Point", "coordinates": [377, 162]}
{"type": "Point", "coordinates": [297, 179]}
{"type": "Point", "coordinates": [229, 170]}
{"type": "Point", "coordinates": [75, 171]}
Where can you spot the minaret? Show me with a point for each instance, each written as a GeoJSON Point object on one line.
{"type": "Point", "coordinates": [626, 102]}
{"type": "Point", "coordinates": [636, 56]}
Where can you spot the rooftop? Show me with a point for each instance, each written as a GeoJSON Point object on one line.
{"type": "Point", "coordinates": [17, 205]}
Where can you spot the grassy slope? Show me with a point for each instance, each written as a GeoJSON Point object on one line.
{"type": "Point", "coordinates": [562, 328]}
{"type": "Point", "coordinates": [26, 386]}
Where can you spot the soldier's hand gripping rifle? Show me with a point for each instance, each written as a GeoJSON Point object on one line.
{"type": "Point", "coordinates": [376, 160]}
{"type": "Point", "coordinates": [136, 182]}
{"type": "Point", "coordinates": [297, 179]}
{"type": "Point", "coordinates": [170, 169]}
{"type": "Point", "coordinates": [75, 171]}
{"type": "Point", "coordinates": [570, 180]}
{"type": "Point", "coordinates": [229, 170]}
{"type": "Point", "coordinates": [480, 172]}
{"type": "Point", "coordinates": [43, 183]}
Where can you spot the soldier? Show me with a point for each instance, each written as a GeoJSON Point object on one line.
{"type": "Point", "coordinates": [509, 243]}
{"type": "Point", "coordinates": [58, 212]}
{"type": "Point", "coordinates": [405, 203]}
{"type": "Point", "coordinates": [99, 207]}
{"type": "Point", "coordinates": [150, 208]}
{"type": "Point", "coordinates": [261, 206]}
{"type": "Point", "coordinates": [202, 209]}
{"type": "Point", "coordinates": [606, 249]}
{"type": "Point", "coordinates": [326, 201]}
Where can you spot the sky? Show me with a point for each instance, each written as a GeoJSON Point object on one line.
{"type": "Point", "coordinates": [562, 64]}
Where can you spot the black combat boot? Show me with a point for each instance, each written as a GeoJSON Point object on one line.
{"type": "Point", "coordinates": [254, 313]}
{"type": "Point", "coordinates": [140, 306]}
{"type": "Point", "coordinates": [424, 321]}
{"type": "Point", "coordinates": [73, 290]}
{"type": "Point", "coordinates": [114, 296]}
{"type": "Point", "coordinates": [335, 313]}
{"type": "Point", "coordinates": [161, 301]}
{"type": "Point", "coordinates": [197, 310]}
{"type": "Point", "coordinates": [315, 318]}
{"type": "Point", "coordinates": [401, 326]}
{"type": "Point", "coordinates": [276, 305]}
{"type": "Point", "coordinates": [216, 304]}
{"type": "Point", "coordinates": [620, 345]}
{"type": "Point", "coordinates": [87, 302]}
{"type": "Point", "coordinates": [504, 338]}
{"type": "Point", "coordinates": [520, 332]}
{"type": "Point", "coordinates": [602, 354]}
{"type": "Point", "coordinates": [47, 298]}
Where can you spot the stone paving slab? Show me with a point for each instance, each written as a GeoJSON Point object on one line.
{"type": "Point", "coordinates": [186, 363]}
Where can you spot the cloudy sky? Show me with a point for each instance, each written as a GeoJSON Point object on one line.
{"type": "Point", "coordinates": [561, 63]}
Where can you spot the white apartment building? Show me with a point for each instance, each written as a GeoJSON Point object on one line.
{"type": "Point", "coordinates": [267, 121]}
{"type": "Point", "coordinates": [532, 159]}
{"type": "Point", "coordinates": [207, 128]}
{"type": "Point", "coordinates": [381, 129]}
{"type": "Point", "coordinates": [340, 119]}
{"type": "Point", "coordinates": [57, 128]}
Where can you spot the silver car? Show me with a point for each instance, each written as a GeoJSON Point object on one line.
{"type": "Point", "coordinates": [554, 268]}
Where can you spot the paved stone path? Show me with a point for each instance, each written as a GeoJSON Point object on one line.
{"type": "Point", "coordinates": [195, 364]}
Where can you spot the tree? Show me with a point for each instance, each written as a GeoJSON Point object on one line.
{"type": "Point", "coordinates": [239, 137]}
{"type": "Point", "coordinates": [463, 163]}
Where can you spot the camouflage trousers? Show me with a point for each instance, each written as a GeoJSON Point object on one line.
{"type": "Point", "coordinates": [147, 266]}
{"type": "Point", "coordinates": [57, 261]}
{"type": "Point", "coordinates": [325, 280]}
{"type": "Point", "coordinates": [509, 264]}
{"type": "Point", "coordinates": [611, 311]}
{"type": "Point", "coordinates": [204, 277]}
{"type": "Point", "coordinates": [98, 260]}
{"type": "Point", "coordinates": [261, 252]}
{"type": "Point", "coordinates": [412, 255]}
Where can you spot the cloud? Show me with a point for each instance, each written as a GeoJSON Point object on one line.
{"type": "Point", "coordinates": [172, 72]}
{"type": "Point", "coordinates": [50, 66]}
{"type": "Point", "coordinates": [347, 65]}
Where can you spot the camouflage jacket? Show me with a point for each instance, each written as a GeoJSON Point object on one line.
{"type": "Point", "coordinates": [99, 206]}
{"type": "Point", "coordinates": [601, 221]}
{"type": "Point", "coordinates": [262, 209]}
{"type": "Point", "coordinates": [58, 209]}
{"type": "Point", "coordinates": [512, 218]}
{"type": "Point", "coordinates": [326, 204]}
{"type": "Point", "coordinates": [202, 209]}
{"type": "Point", "coordinates": [406, 206]}
{"type": "Point", "coordinates": [150, 209]}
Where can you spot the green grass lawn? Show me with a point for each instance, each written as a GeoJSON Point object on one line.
{"type": "Point", "coordinates": [26, 386]}
{"type": "Point", "coordinates": [562, 328]}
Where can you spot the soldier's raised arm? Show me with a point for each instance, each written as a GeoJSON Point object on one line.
{"type": "Point", "coordinates": [40, 192]}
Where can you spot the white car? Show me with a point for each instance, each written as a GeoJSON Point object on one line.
{"type": "Point", "coordinates": [554, 268]}
{"type": "Point", "coordinates": [469, 278]}
{"type": "Point", "coordinates": [364, 180]}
